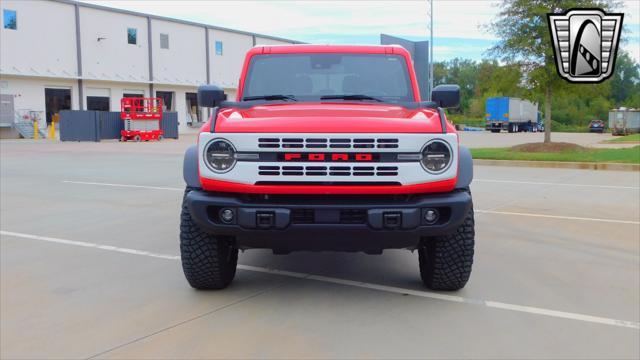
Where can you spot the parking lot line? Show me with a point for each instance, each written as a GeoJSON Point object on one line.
{"type": "Point", "coordinates": [555, 184]}
{"type": "Point", "coordinates": [477, 211]}
{"type": "Point", "coordinates": [557, 217]}
{"type": "Point", "coordinates": [89, 245]}
{"type": "Point", "coordinates": [124, 185]}
{"type": "Point", "coordinates": [352, 283]}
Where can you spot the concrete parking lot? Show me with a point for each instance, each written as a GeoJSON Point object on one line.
{"type": "Point", "coordinates": [89, 268]}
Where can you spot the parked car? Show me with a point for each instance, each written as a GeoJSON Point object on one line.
{"type": "Point", "coordinates": [328, 148]}
{"type": "Point", "coordinates": [596, 126]}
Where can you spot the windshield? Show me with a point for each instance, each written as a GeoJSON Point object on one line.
{"type": "Point", "coordinates": [335, 77]}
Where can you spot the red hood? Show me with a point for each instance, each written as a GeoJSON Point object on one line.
{"type": "Point", "coordinates": [328, 118]}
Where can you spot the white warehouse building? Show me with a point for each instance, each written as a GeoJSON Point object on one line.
{"type": "Point", "coordinates": [61, 54]}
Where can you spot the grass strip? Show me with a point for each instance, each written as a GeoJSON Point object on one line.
{"type": "Point", "coordinates": [633, 138]}
{"type": "Point", "coordinates": [628, 155]}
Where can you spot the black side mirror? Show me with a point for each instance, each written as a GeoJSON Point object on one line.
{"type": "Point", "coordinates": [210, 96]}
{"type": "Point", "coordinates": [446, 96]}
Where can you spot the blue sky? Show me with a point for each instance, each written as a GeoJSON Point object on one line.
{"type": "Point", "coordinates": [458, 24]}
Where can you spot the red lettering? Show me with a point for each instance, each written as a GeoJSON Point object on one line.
{"type": "Point", "coordinates": [340, 157]}
{"type": "Point", "coordinates": [291, 156]}
{"type": "Point", "coordinates": [364, 157]}
{"type": "Point", "coordinates": [326, 157]}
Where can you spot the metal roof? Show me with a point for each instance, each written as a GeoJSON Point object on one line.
{"type": "Point", "coordinates": [163, 18]}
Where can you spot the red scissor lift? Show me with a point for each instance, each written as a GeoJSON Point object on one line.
{"type": "Point", "coordinates": [142, 119]}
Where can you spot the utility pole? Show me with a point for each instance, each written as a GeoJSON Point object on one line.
{"type": "Point", "coordinates": [430, 48]}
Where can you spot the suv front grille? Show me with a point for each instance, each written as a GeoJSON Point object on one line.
{"type": "Point", "coordinates": [325, 143]}
{"type": "Point", "coordinates": [313, 170]}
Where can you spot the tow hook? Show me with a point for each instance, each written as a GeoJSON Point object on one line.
{"type": "Point", "coordinates": [392, 220]}
{"type": "Point", "coordinates": [265, 220]}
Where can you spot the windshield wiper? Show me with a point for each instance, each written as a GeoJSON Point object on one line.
{"type": "Point", "coordinates": [270, 97]}
{"type": "Point", "coordinates": [350, 97]}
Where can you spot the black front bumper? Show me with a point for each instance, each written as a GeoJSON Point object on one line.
{"type": "Point", "coordinates": [316, 223]}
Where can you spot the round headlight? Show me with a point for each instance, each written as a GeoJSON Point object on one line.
{"type": "Point", "coordinates": [436, 156]}
{"type": "Point", "coordinates": [219, 155]}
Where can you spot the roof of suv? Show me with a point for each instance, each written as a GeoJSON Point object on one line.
{"type": "Point", "coordinates": [308, 48]}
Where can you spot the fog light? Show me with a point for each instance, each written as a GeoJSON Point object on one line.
{"type": "Point", "coordinates": [431, 216]}
{"type": "Point", "coordinates": [227, 215]}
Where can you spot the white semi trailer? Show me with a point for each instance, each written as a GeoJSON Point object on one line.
{"type": "Point", "coordinates": [624, 121]}
{"type": "Point", "coordinates": [512, 114]}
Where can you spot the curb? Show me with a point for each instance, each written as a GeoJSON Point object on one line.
{"type": "Point", "coordinates": [559, 164]}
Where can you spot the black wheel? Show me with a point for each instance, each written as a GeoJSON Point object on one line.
{"type": "Point", "coordinates": [445, 261]}
{"type": "Point", "coordinates": [495, 130]}
{"type": "Point", "coordinates": [137, 138]}
{"type": "Point", "coordinates": [208, 261]}
{"type": "Point", "coordinates": [511, 128]}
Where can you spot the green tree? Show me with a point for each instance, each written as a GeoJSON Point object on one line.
{"type": "Point", "coordinates": [524, 37]}
{"type": "Point", "coordinates": [633, 101]}
{"type": "Point", "coordinates": [626, 79]}
{"type": "Point", "coordinates": [461, 72]}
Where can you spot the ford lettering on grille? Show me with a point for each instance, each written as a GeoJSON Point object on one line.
{"type": "Point", "coordinates": [329, 157]}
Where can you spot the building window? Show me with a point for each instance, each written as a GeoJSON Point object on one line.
{"type": "Point", "coordinates": [10, 18]}
{"type": "Point", "coordinates": [98, 103]}
{"type": "Point", "coordinates": [192, 108]}
{"type": "Point", "coordinates": [164, 41]}
{"type": "Point", "coordinates": [167, 99]}
{"type": "Point", "coordinates": [218, 47]}
{"type": "Point", "coordinates": [132, 36]}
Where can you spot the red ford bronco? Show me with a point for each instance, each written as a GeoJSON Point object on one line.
{"type": "Point", "coordinates": [327, 148]}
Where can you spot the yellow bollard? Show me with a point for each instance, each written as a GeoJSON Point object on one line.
{"type": "Point", "coordinates": [52, 131]}
{"type": "Point", "coordinates": [36, 134]}
{"type": "Point", "coordinates": [55, 118]}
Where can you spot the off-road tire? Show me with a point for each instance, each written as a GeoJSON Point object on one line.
{"type": "Point", "coordinates": [445, 261]}
{"type": "Point", "coordinates": [208, 261]}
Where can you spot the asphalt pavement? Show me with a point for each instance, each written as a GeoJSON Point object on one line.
{"type": "Point", "coordinates": [89, 268]}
